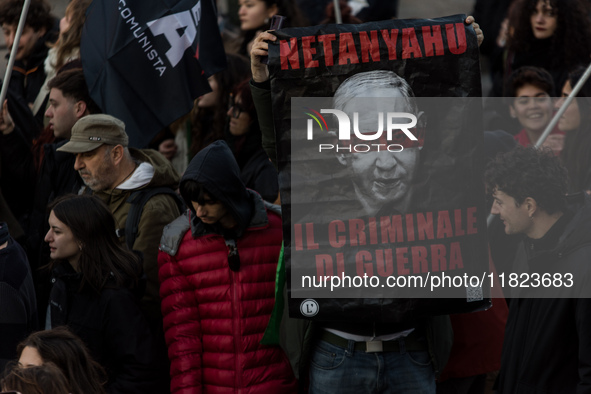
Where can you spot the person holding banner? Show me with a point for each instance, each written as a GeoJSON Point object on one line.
{"type": "Point", "coordinates": [352, 355]}
{"type": "Point", "coordinates": [547, 343]}
{"type": "Point", "coordinates": [381, 184]}
{"type": "Point", "coordinates": [243, 136]}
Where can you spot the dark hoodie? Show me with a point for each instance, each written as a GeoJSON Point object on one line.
{"type": "Point", "coordinates": [25, 83]}
{"type": "Point", "coordinates": [216, 169]}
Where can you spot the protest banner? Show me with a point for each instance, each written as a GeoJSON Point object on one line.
{"type": "Point", "coordinates": [379, 139]}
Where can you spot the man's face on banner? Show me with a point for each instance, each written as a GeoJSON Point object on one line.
{"type": "Point", "coordinates": [381, 177]}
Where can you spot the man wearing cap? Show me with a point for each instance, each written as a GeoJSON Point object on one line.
{"type": "Point", "coordinates": [112, 172]}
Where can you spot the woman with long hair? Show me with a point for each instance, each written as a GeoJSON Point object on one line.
{"type": "Point", "coordinates": [96, 288]}
{"type": "Point", "coordinates": [244, 138]}
{"type": "Point", "coordinates": [64, 349]}
{"type": "Point", "coordinates": [44, 379]}
{"type": "Point", "coordinates": [576, 123]}
{"type": "Point", "coordinates": [66, 49]}
{"type": "Point", "coordinates": [551, 34]}
{"type": "Point", "coordinates": [63, 55]}
{"type": "Point", "coordinates": [206, 121]}
{"type": "Point", "coordinates": [208, 116]}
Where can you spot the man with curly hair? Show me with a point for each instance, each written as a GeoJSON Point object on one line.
{"type": "Point", "coordinates": [547, 344]}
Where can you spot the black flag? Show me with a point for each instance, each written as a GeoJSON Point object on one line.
{"type": "Point", "coordinates": [146, 61]}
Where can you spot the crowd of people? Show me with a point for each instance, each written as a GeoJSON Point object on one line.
{"type": "Point", "coordinates": [154, 270]}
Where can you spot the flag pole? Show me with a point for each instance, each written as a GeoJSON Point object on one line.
{"type": "Point", "coordinates": [337, 12]}
{"type": "Point", "coordinates": [563, 108]}
{"type": "Point", "coordinates": [14, 50]}
{"type": "Point", "coordinates": [572, 95]}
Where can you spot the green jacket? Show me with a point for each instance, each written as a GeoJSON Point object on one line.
{"type": "Point", "coordinates": [157, 213]}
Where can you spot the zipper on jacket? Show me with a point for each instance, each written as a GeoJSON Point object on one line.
{"type": "Point", "coordinates": [236, 326]}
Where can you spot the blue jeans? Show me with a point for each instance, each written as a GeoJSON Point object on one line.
{"type": "Point", "coordinates": [334, 369]}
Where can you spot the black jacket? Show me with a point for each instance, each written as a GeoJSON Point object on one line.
{"type": "Point", "coordinates": [256, 171]}
{"type": "Point", "coordinates": [112, 326]}
{"type": "Point", "coordinates": [18, 313]}
{"type": "Point", "coordinates": [547, 346]}
{"type": "Point", "coordinates": [259, 174]}
{"type": "Point", "coordinates": [17, 175]}
{"type": "Point", "coordinates": [18, 172]}
{"type": "Point", "coordinates": [299, 333]}
{"type": "Point", "coordinates": [26, 81]}
{"type": "Point", "coordinates": [57, 177]}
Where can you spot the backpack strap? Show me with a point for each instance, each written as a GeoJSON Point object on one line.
{"type": "Point", "coordinates": [137, 201]}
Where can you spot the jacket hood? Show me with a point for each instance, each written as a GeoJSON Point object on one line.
{"type": "Point", "coordinates": [164, 174]}
{"type": "Point", "coordinates": [216, 169]}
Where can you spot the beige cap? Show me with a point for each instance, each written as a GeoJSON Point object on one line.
{"type": "Point", "coordinates": [92, 131]}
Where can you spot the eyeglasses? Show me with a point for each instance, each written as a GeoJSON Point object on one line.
{"type": "Point", "coordinates": [236, 109]}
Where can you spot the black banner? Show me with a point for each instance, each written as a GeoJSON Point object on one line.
{"type": "Point", "coordinates": [379, 151]}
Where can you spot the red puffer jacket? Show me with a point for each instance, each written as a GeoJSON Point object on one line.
{"type": "Point", "coordinates": [214, 318]}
